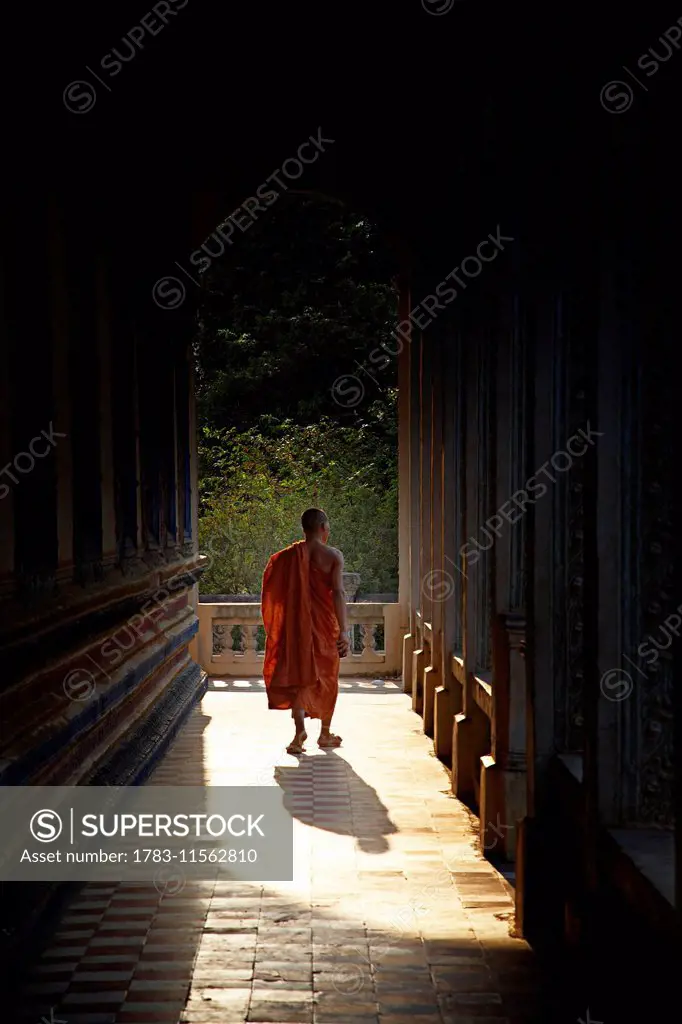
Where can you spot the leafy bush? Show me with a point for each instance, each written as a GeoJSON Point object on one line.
{"type": "Point", "coordinates": [303, 299]}
{"type": "Point", "coordinates": [256, 483]}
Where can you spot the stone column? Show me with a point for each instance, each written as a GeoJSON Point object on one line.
{"type": "Point", "coordinates": [503, 771]}
{"type": "Point", "coordinates": [415, 470]}
{"type": "Point", "coordinates": [539, 525]}
{"type": "Point", "coordinates": [404, 478]}
{"type": "Point", "coordinates": [422, 656]}
{"type": "Point", "coordinates": [61, 394]}
{"type": "Point", "coordinates": [6, 456]}
{"type": "Point", "coordinates": [425, 517]}
{"type": "Point", "coordinates": [201, 646]}
{"type": "Point", "coordinates": [531, 845]}
{"type": "Point", "coordinates": [30, 506]}
{"type": "Point", "coordinates": [416, 665]}
{"type": "Point", "coordinates": [448, 694]}
{"type": "Point", "coordinates": [137, 399]}
{"type": "Point", "coordinates": [468, 741]}
{"type": "Point", "coordinates": [437, 592]}
{"type": "Point", "coordinates": [194, 505]}
{"type": "Point", "coordinates": [194, 468]}
{"type": "Point", "coordinates": [425, 476]}
{"type": "Point", "coordinates": [104, 319]}
{"type": "Point", "coordinates": [175, 540]}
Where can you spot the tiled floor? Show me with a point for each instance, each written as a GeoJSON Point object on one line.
{"type": "Point", "coordinates": [393, 915]}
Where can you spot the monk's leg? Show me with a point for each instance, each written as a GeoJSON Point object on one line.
{"type": "Point", "coordinates": [330, 681]}
{"type": "Point", "coordinates": [327, 737]}
{"type": "Point", "coordinates": [300, 735]}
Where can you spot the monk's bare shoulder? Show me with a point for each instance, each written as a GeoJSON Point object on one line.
{"type": "Point", "coordinates": [336, 554]}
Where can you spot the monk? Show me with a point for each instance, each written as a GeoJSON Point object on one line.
{"type": "Point", "coordinates": [306, 627]}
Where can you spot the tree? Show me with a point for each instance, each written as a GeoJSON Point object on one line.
{"type": "Point", "coordinates": [306, 293]}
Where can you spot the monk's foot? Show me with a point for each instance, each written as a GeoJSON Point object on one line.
{"type": "Point", "coordinates": [328, 739]}
{"type": "Point", "coordinates": [296, 746]}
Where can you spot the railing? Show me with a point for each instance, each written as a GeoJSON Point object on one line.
{"type": "Point", "coordinates": [232, 639]}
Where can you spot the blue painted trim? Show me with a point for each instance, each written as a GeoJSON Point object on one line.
{"type": "Point", "coordinates": [18, 773]}
{"type": "Point", "coordinates": [161, 747]}
{"type": "Point", "coordinates": [39, 916]}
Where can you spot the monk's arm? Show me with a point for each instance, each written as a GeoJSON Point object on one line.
{"type": "Point", "coordinates": [339, 594]}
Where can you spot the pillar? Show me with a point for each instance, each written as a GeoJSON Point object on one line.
{"type": "Point", "coordinates": [446, 704]}
{"type": "Point", "coordinates": [470, 725]}
{"type": "Point", "coordinates": [193, 544]}
{"type": "Point", "coordinates": [420, 655]}
{"type": "Point", "coordinates": [440, 590]}
{"type": "Point", "coordinates": [425, 399]}
{"type": "Point", "coordinates": [503, 771]}
{"type": "Point", "coordinates": [405, 454]}
{"type": "Point", "coordinates": [6, 456]}
{"type": "Point", "coordinates": [533, 847]}
{"type": "Point", "coordinates": [104, 320]}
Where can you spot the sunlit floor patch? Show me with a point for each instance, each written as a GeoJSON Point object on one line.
{"type": "Point", "coordinates": [392, 914]}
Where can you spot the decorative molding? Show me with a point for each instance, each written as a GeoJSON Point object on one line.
{"type": "Point", "coordinates": [57, 725]}
{"type": "Point", "coordinates": [132, 763]}
{"type": "Point", "coordinates": [86, 609]}
{"type": "Point", "coordinates": [516, 626]}
{"type": "Point", "coordinates": [516, 761]}
{"type": "Point", "coordinates": [131, 566]}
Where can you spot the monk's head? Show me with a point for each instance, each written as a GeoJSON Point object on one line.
{"type": "Point", "coordinates": [315, 524]}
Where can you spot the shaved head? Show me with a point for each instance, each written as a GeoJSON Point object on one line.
{"type": "Point", "coordinates": [313, 519]}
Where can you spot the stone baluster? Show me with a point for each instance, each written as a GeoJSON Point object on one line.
{"type": "Point", "coordinates": [367, 634]}
{"type": "Point", "coordinates": [249, 639]}
{"type": "Point", "coordinates": [218, 640]}
{"type": "Point", "coordinates": [240, 640]}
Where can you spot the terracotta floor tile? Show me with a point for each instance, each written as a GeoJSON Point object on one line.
{"type": "Point", "coordinates": [391, 916]}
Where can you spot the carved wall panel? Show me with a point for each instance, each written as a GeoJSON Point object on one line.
{"type": "Point", "coordinates": [654, 681]}
{"type": "Point", "coordinates": [516, 533]}
{"type": "Point", "coordinates": [573, 340]}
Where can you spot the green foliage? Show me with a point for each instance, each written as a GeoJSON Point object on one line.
{"type": "Point", "coordinates": [305, 294]}
{"type": "Point", "coordinates": [256, 484]}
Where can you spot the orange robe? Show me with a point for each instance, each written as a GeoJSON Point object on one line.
{"type": "Point", "coordinates": [301, 657]}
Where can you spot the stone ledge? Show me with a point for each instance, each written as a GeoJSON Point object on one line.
{"type": "Point", "coordinates": [652, 853]}
{"type": "Point", "coordinates": [637, 864]}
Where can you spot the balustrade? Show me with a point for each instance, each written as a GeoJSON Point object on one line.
{"type": "Point", "coordinates": [232, 639]}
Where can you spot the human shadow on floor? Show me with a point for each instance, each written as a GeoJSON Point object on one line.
{"type": "Point", "coordinates": [325, 792]}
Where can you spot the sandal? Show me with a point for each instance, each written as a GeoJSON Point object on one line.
{"type": "Point", "coordinates": [296, 747]}
{"type": "Point", "coordinates": [330, 740]}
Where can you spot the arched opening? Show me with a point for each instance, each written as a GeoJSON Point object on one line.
{"type": "Point", "coordinates": [296, 371]}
